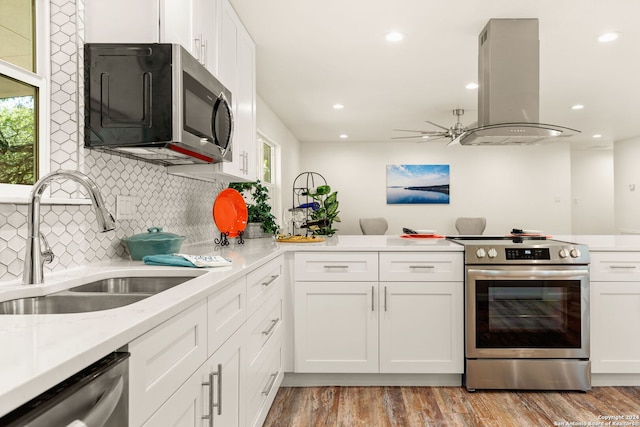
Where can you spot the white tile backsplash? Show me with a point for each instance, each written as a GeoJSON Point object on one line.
{"type": "Point", "coordinates": [179, 205]}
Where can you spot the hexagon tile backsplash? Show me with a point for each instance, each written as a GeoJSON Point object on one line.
{"type": "Point", "coordinates": [179, 205]}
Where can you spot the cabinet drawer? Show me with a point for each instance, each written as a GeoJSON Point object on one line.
{"type": "Point", "coordinates": [264, 376]}
{"type": "Point", "coordinates": [615, 266]}
{"type": "Point", "coordinates": [264, 324]}
{"type": "Point", "coordinates": [262, 283]}
{"type": "Point", "coordinates": [227, 311]}
{"type": "Point", "coordinates": [162, 359]}
{"type": "Point", "coordinates": [421, 266]}
{"type": "Point", "coordinates": [336, 266]}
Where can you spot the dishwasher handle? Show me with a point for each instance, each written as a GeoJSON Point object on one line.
{"type": "Point", "coordinates": [105, 406]}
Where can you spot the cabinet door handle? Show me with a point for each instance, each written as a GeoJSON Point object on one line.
{"type": "Point", "coordinates": [203, 50]}
{"type": "Point", "coordinates": [210, 386]}
{"type": "Point", "coordinates": [385, 298]}
{"type": "Point", "coordinates": [219, 404]}
{"type": "Point", "coordinates": [372, 300]}
{"type": "Point", "coordinates": [197, 47]}
{"type": "Point", "coordinates": [272, 381]}
{"type": "Point", "coordinates": [429, 267]}
{"type": "Point", "coordinates": [270, 280]}
{"type": "Point", "coordinates": [335, 267]}
{"type": "Point", "coordinates": [271, 327]}
{"type": "Point", "coordinates": [622, 267]}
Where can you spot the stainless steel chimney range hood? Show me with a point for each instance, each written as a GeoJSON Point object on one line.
{"type": "Point", "coordinates": [509, 87]}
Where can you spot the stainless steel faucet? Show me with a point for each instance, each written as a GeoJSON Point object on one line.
{"type": "Point", "coordinates": [35, 257]}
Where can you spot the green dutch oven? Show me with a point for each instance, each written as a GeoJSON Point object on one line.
{"type": "Point", "coordinates": [154, 242]}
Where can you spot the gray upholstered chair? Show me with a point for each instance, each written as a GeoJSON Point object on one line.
{"type": "Point", "coordinates": [373, 225]}
{"type": "Point", "coordinates": [472, 226]}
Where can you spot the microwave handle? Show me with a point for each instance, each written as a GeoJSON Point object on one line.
{"type": "Point", "coordinates": [222, 100]}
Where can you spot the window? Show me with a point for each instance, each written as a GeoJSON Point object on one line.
{"type": "Point", "coordinates": [23, 93]}
{"type": "Point", "coordinates": [267, 152]}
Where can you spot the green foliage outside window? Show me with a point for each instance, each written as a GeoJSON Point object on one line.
{"type": "Point", "coordinates": [17, 140]}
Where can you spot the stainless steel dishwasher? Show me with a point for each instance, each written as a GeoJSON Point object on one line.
{"type": "Point", "coordinates": [97, 396]}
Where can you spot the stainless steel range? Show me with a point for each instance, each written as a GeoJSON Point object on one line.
{"type": "Point", "coordinates": [527, 313]}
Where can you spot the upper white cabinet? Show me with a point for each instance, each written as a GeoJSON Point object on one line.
{"type": "Point", "coordinates": [190, 23]}
{"type": "Point", "coordinates": [237, 71]}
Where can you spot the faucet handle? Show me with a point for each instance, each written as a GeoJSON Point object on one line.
{"type": "Point", "coordinates": [47, 254]}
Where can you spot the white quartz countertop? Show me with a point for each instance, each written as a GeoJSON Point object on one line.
{"type": "Point", "coordinates": [606, 243]}
{"type": "Point", "coordinates": [39, 351]}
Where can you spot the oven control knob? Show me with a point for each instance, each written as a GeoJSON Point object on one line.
{"type": "Point", "coordinates": [480, 253]}
{"type": "Point", "coordinates": [574, 252]}
{"type": "Point", "coordinates": [563, 253]}
{"type": "Point", "coordinates": [492, 253]}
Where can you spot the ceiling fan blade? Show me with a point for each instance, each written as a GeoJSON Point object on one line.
{"type": "Point", "coordinates": [437, 125]}
{"type": "Point", "coordinates": [432, 139]}
{"type": "Point", "coordinates": [422, 132]}
{"type": "Point", "coordinates": [456, 140]}
{"type": "Point", "coordinates": [415, 136]}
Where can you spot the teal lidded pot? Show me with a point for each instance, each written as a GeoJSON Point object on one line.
{"type": "Point", "coordinates": [154, 242]}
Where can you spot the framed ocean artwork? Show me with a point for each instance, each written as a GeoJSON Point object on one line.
{"type": "Point", "coordinates": [418, 184]}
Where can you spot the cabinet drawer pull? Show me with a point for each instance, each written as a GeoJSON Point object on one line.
{"type": "Point", "coordinates": [272, 381]}
{"type": "Point", "coordinates": [429, 267]}
{"type": "Point", "coordinates": [335, 267]}
{"type": "Point", "coordinates": [271, 327]}
{"type": "Point", "coordinates": [270, 280]}
{"type": "Point", "coordinates": [622, 267]}
{"type": "Point", "coordinates": [385, 298]}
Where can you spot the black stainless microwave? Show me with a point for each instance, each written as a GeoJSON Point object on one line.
{"type": "Point", "coordinates": [155, 102]}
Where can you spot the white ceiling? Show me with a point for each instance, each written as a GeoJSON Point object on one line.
{"type": "Point", "coordinates": [313, 54]}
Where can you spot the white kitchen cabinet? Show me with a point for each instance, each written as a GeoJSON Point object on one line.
{"type": "Point", "coordinates": [237, 71]}
{"type": "Point", "coordinates": [163, 358]}
{"type": "Point", "coordinates": [190, 23]}
{"type": "Point", "coordinates": [215, 390]}
{"type": "Point", "coordinates": [421, 327]}
{"type": "Point", "coordinates": [421, 312]}
{"type": "Point", "coordinates": [346, 323]}
{"type": "Point", "coordinates": [335, 311]}
{"type": "Point", "coordinates": [615, 312]}
{"type": "Point", "coordinates": [226, 312]}
{"type": "Point", "coordinates": [336, 327]}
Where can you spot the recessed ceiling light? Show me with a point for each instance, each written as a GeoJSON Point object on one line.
{"type": "Point", "coordinates": [472, 85]}
{"type": "Point", "coordinates": [425, 136]}
{"type": "Point", "coordinates": [597, 135]}
{"type": "Point", "coordinates": [394, 36]}
{"type": "Point", "coordinates": [608, 37]}
{"type": "Point", "coordinates": [577, 107]}
{"type": "Point", "coordinates": [338, 106]}
{"type": "Point", "coordinates": [344, 136]}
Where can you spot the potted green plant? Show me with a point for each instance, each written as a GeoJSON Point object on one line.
{"type": "Point", "coordinates": [261, 222]}
{"type": "Point", "coordinates": [324, 217]}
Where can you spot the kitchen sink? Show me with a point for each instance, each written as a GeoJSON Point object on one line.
{"type": "Point", "coordinates": [131, 285]}
{"type": "Point", "coordinates": [66, 302]}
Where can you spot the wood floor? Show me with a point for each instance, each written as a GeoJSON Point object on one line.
{"type": "Point", "coordinates": [450, 406]}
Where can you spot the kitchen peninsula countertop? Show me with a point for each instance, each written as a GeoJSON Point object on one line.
{"type": "Point", "coordinates": [39, 351]}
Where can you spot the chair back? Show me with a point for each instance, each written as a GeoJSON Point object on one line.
{"type": "Point", "coordinates": [471, 225]}
{"type": "Point", "coordinates": [373, 225]}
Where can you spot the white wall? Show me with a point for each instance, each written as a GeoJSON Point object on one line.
{"type": "Point", "coordinates": [273, 128]}
{"type": "Point", "coordinates": [592, 209]}
{"type": "Point", "coordinates": [524, 187]}
{"type": "Point", "coordinates": [627, 186]}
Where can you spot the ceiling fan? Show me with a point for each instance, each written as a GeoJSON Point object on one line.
{"type": "Point", "coordinates": [453, 132]}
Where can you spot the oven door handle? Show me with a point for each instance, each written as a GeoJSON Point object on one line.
{"type": "Point", "coordinates": [528, 273]}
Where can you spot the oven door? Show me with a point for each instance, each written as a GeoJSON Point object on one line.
{"type": "Point", "coordinates": [527, 312]}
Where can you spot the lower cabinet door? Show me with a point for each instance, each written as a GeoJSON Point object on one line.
{"type": "Point", "coordinates": [421, 327]}
{"type": "Point", "coordinates": [213, 395]}
{"type": "Point", "coordinates": [615, 336]}
{"type": "Point", "coordinates": [224, 384]}
{"type": "Point", "coordinates": [336, 327]}
{"type": "Point", "coordinates": [184, 408]}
